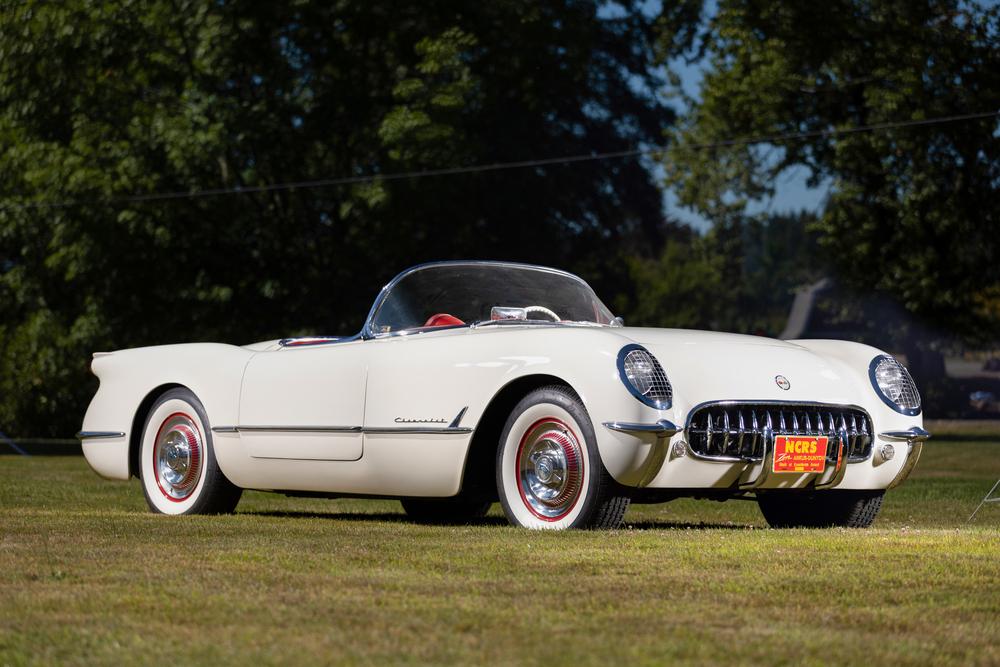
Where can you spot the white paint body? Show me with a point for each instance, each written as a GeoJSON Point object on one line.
{"type": "Point", "coordinates": [369, 385]}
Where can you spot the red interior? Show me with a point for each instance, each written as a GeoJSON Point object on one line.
{"type": "Point", "coordinates": [443, 320]}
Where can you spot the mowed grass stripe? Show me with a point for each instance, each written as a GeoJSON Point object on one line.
{"type": "Point", "coordinates": [88, 577]}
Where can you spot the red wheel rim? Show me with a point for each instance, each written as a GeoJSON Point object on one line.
{"type": "Point", "coordinates": [549, 469]}
{"type": "Point", "coordinates": [177, 457]}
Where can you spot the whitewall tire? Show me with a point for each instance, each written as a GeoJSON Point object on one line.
{"type": "Point", "coordinates": [549, 472]}
{"type": "Point", "coordinates": [177, 464]}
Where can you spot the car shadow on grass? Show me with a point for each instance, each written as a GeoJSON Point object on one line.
{"type": "Point", "coordinates": [399, 517]}
{"type": "Point", "coordinates": [686, 525]}
{"type": "Point", "coordinates": [391, 517]}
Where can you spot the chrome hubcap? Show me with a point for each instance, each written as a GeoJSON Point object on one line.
{"type": "Point", "coordinates": [550, 469]}
{"type": "Point", "coordinates": [177, 456]}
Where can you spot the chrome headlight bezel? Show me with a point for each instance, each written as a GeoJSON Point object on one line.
{"type": "Point", "coordinates": [905, 377]}
{"type": "Point", "coordinates": [627, 373]}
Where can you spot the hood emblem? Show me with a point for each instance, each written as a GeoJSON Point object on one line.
{"type": "Point", "coordinates": [782, 382]}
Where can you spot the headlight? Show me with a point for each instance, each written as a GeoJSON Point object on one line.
{"type": "Point", "coordinates": [893, 384]}
{"type": "Point", "coordinates": [643, 376]}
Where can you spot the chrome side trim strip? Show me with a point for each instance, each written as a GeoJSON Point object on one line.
{"type": "Point", "coordinates": [310, 341]}
{"type": "Point", "coordinates": [98, 435]}
{"type": "Point", "coordinates": [661, 428]}
{"type": "Point", "coordinates": [914, 434]}
{"type": "Point", "coordinates": [286, 429]}
{"type": "Point", "coordinates": [339, 429]}
{"type": "Point", "coordinates": [415, 429]}
{"type": "Point", "coordinates": [458, 418]}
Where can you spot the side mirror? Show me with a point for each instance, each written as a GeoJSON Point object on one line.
{"type": "Point", "coordinates": [618, 322]}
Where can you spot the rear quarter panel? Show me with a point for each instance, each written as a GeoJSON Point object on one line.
{"type": "Point", "coordinates": [212, 371]}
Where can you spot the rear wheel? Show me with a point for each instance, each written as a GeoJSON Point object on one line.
{"type": "Point", "coordinates": [444, 510]}
{"type": "Point", "coordinates": [549, 472]}
{"type": "Point", "coordinates": [822, 509]}
{"type": "Point", "coordinates": [178, 469]}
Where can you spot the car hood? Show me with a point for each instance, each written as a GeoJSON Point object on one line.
{"type": "Point", "coordinates": [710, 366]}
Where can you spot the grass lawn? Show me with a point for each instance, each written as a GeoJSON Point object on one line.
{"type": "Point", "coordinates": [87, 576]}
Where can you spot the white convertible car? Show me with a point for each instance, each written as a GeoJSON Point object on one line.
{"type": "Point", "coordinates": [473, 382]}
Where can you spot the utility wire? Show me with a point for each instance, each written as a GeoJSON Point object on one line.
{"type": "Point", "coordinates": [497, 166]}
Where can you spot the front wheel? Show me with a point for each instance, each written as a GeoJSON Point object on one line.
{"type": "Point", "coordinates": [178, 469]}
{"type": "Point", "coordinates": [549, 472]}
{"type": "Point", "coordinates": [820, 509]}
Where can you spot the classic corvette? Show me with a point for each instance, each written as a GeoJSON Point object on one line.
{"type": "Point", "coordinates": [476, 382]}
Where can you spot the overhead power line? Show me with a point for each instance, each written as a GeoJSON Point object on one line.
{"type": "Point", "coordinates": [496, 166]}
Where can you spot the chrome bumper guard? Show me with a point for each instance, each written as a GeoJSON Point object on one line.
{"type": "Point", "coordinates": [914, 438]}
{"type": "Point", "coordinates": [662, 428]}
{"type": "Point", "coordinates": [757, 473]}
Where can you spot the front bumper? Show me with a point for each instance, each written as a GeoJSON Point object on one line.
{"type": "Point", "coordinates": [671, 464]}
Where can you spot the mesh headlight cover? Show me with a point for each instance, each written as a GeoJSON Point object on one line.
{"type": "Point", "coordinates": [643, 376]}
{"type": "Point", "coordinates": [893, 384]}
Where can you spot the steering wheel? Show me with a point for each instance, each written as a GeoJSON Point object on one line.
{"type": "Point", "coordinates": [543, 310]}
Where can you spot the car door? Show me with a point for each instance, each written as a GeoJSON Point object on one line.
{"type": "Point", "coordinates": [417, 421]}
{"type": "Point", "coordinates": [418, 385]}
{"type": "Point", "coordinates": [305, 402]}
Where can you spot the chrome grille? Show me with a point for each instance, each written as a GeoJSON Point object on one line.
{"type": "Point", "coordinates": [738, 431]}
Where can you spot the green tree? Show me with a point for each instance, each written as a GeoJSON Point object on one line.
{"type": "Point", "coordinates": [100, 101]}
{"type": "Point", "coordinates": [735, 277]}
{"type": "Point", "coordinates": [913, 211]}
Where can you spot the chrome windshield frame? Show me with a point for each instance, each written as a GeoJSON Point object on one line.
{"type": "Point", "coordinates": [367, 331]}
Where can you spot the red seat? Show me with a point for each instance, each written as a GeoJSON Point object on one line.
{"type": "Point", "coordinates": [443, 320]}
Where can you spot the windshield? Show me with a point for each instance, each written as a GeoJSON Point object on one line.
{"type": "Point", "coordinates": [441, 295]}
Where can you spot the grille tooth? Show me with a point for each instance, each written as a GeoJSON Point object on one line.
{"type": "Point", "coordinates": [852, 443]}
{"type": "Point", "coordinates": [725, 432]}
{"type": "Point", "coordinates": [842, 433]}
{"type": "Point", "coordinates": [865, 437]}
{"type": "Point", "coordinates": [708, 432]}
{"type": "Point", "coordinates": [741, 430]}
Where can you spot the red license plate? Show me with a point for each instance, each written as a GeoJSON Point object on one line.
{"type": "Point", "coordinates": [800, 453]}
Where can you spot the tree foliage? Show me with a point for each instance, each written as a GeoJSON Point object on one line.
{"type": "Point", "coordinates": [101, 101]}
{"type": "Point", "coordinates": [913, 212]}
{"type": "Point", "coordinates": [736, 277]}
